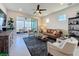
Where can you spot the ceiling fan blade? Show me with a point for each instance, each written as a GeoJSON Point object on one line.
{"type": "Point", "coordinates": [42, 9]}
{"type": "Point", "coordinates": [38, 7]}
{"type": "Point", "coordinates": [38, 10]}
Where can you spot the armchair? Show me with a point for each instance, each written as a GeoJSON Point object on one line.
{"type": "Point", "coordinates": [67, 48]}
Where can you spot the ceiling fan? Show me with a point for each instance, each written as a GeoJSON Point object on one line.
{"type": "Point", "coordinates": [39, 10]}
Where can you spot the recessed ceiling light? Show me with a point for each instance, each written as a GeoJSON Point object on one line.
{"type": "Point", "coordinates": [20, 9]}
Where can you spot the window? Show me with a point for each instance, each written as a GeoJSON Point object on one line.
{"type": "Point", "coordinates": [62, 17]}
{"type": "Point", "coordinates": [20, 24]}
{"type": "Point", "coordinates": [1, 22]}
{"type": "Point", "coordinates": [2, 19]}
{"type": "Point", "coordinates": [34, 24]}
{"type": "Point", "coordinates": [26, 24]}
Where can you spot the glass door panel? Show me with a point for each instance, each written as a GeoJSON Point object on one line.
{"type": "Point", "coordinates": [19, 24]}
{"type": "Point", "coordinates": [34, 25]}
{"type": "Point", "coordinates": [26, 24]}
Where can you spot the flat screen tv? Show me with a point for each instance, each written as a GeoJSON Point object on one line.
{"type": "Point", "coordinates": [2, 20]}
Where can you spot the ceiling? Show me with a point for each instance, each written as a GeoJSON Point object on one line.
{"type": "Point", "coordinates": [30, 8]}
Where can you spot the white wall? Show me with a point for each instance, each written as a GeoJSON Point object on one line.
{"type": "Point", "coordinates": [3, 8]}
{"type": "Point", "coordinates": [14, 14]}
{"type": "Point", "coordinates": [54, 23]}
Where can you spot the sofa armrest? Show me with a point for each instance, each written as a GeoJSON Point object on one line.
{"type": "Point", "coordinates": [55, 45]}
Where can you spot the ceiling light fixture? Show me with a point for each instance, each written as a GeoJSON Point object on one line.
{"type": "Point", "coordinates": [20, 9]}
{"type": "Point", "coordinates": [37, 14]}
{"type": "Point", "coordinates": [38, 11]}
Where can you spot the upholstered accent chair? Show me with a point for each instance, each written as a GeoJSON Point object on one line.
{"type": "Point", "coordinates": [65, 48]}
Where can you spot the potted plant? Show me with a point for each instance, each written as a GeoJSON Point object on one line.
{"type": "Point", "coordinates": [10, 23]}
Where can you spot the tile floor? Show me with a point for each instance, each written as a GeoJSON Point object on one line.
{"type": "Point", "coordinates": [20, 49]}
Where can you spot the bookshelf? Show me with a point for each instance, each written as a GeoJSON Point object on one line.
{"type": "Point", "coordinates": [73, 26]}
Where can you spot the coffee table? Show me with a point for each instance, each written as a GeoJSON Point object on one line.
{"type": "Point", "coordinates": [43, 37]}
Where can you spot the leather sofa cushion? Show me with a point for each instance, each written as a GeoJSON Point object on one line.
{"type": "Point", "coordinates": [48, 30]}
{"type": "Point", "coordinates": [53, 33]}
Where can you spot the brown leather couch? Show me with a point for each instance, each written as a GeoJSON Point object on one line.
{"type": "Point", "coordinates": [53, 33]}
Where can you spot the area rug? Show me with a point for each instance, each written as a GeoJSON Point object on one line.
{"type": "Point", "coordinates": [36, 47]}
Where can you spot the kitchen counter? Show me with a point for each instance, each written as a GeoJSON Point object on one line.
{"type": "Point", "coordinates": [5, 33]}
{"type": "Point", "coordinates": [4, 41]}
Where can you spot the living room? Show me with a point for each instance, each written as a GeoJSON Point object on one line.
{"type": "Point", "coordinates": [40, 29]}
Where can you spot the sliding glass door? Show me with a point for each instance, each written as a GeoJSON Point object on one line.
{"type": "Point", "coordinates": [34, 25]}
{"type": "Point", "coordinates": [26, 24]}
{"type": "Point", "coordinates": [20, 23]}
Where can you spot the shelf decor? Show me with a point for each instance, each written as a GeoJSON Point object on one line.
{"type": "Point", "coordinates": [73, 26]}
